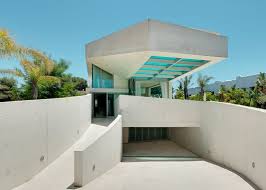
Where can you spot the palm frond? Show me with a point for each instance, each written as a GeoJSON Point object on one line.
{"type": "Point", "coordinates": [8, 46]}
{"type": "Point", "coordinates": [41, 60]}
{"type": "Point", "coordinates": [50, 78]}
{"type": "Point", "coordinates": [13, 72]}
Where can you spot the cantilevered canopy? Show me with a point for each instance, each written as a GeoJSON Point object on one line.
{"type": "Point", "coordinates": [161, 67]}
{"type": "Point", "coordinates": [153, 50]}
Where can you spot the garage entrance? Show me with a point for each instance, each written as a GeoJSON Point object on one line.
{"type": "Point", "coordinates": [152, 144]}
{"type": "Point", "coordinates": [137, 134]}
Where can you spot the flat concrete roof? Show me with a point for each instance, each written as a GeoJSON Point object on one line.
{"type": "Point", "coordinates": [124, 52]}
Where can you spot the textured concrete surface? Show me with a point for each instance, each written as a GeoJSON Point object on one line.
{"type": "Point", "coordinates": [60, 173]}
{"type": "Point", "coordinates": [34, 133]}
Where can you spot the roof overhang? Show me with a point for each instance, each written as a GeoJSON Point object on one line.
{"type": "Point", "coordinates": [128, 52]}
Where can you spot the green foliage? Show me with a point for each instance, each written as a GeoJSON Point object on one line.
{"type": "Point", "coordinates": [48, 89]}
{"type": "Point", "coordinates": [211, 96]}
{"type": "Point", "coordinates": [43, 78]}
{"type": "Point", "coordinates": [196, 97]}
{"type": "Point", "coordinates": [249, 97]}
{"type": "Point", "coordinates": [8, 89]}
{"type": "Point", "coordinates": [179, 94]}
{"type": "Point", "coordinates": [55, 85]}
{"type": "Point", "coordinates": [80, 83]}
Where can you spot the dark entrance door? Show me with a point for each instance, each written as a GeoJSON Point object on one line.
{"type": "Point", "coordinates": [110, 105]}
{"type": "Point", "coordinates": [100, 105]}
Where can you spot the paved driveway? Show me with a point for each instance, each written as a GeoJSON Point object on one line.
{"type": "Point", "coordinates": [180, 175]}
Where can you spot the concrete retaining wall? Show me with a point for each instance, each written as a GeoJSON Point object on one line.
{"type": "Point", "coordinates": [95, 158]}
{"type": "Point", "coordinates": [231, 135]}
{"type": "Point", "coordinates": [228, 134]}
{"type": "Point", "coordinates": [34, 133]}
{"type": "Point", "coordinates": [158, 112]}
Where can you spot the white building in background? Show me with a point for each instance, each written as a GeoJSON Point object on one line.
{"type": "Point", "coordinates": [245, 82]}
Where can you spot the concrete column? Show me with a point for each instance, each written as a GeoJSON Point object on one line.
{"type": "Point", "coordinates": [137, 88]}
{"type": "Point", "coordinates": [164, 88]}
{"type": "Point", "coordinates": [89, 67]}
{"type": "Point", "coordinates": [149, 92]}
{"type": "Point", "coordinates": [170, 90]}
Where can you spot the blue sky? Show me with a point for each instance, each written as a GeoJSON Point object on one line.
{"type": "Point", "coordinates": [62, 27]}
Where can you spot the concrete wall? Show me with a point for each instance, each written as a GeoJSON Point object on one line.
{"type": "Point", "coordinates": [120, 83]}
{"type": "Point", "coordinates": [231, 135]}
{"type": "Point", "coordinates": [34, 133]}
{"type": "Point", "coordinates": [95, 158]}
{"type": "Point", "coordinates": [158, 112]}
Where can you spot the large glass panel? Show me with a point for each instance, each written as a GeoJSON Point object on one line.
{"type": "Point", "coordinates": [96, 77]}
{"type": "Point", "coordinates": [131, 86]}
{"type": "Point", "coordinates": [107, 80]}
{"type": "Point", "coordinates": [101, 78]}
{"type": "Point", "coordinates": [156, 92]}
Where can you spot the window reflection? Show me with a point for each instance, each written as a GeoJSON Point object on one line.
{"type": "Point", "coordinates": [101, 78]}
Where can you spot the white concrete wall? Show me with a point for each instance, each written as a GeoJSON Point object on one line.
{"type": "Point", "coordinates": [231, 135]}
{"type": "Point", "coordinates": [34, 133]}
{"type": "Point", "coordinates": [120, 83]}
{"type": "Point", "coordinates": [158, 112]}
{"type": "Point", "coordinates": [94, 158]}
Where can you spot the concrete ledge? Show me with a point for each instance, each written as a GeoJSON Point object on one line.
{"type": "Point", "coordinates": [94, 158]}
{"type": "Point", "coordinates": [158, 112]}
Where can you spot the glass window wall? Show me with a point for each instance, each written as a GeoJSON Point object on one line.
{"type": "Point", "coordinates": [101, 78]}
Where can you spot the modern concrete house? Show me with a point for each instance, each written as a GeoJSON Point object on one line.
{"type": "Point", "coordinates": [145, 59]}
{"type": "Point", "coordinates": [147, 56]}
{"type": "Point", "coordinates": [114, 138]}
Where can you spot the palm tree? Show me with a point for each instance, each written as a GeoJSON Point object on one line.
{"type": "Point", "coordinates": [261, 89]}
{"type": "Point", "coordinates": [60, 68]}
{"type": "Point", "coordinates": [222, 93]}
{"type": "Point", "coordinates": [185, 83]}
{"type": "Point", "coordinates": [261, 83]}
{"type": "Point", "coordinates": [8, 47]}
{"type": "Point", "coordinates": [35, 68]}
{"type": "Point", "coordinates": [203, 81]}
